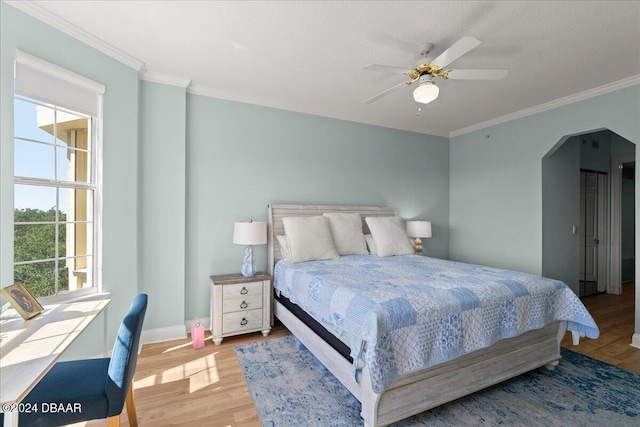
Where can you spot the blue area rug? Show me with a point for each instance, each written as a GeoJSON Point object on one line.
{"type": "Point", "coordinates": [291, 388]}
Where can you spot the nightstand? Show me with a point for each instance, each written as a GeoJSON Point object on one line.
{"type": "Point", "coordinates": [240, 305]}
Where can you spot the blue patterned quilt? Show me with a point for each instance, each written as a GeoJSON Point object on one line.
{"type": "Point", "coordinates": [411, 312]}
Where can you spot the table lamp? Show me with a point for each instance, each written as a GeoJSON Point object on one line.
{"type": "Point", "coordinates": [249, 233]}
{"type": "Point", "coordinates": [418, 229]}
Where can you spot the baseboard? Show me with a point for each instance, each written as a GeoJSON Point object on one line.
{"type": "Point", "coordinates": [204, 321]}
{"type": "Point", "coordinates": [635, 341]}
{"type": "Point", "coordinates": [170, 333]}
{"type": "Point", "coordinates": [150, 336]}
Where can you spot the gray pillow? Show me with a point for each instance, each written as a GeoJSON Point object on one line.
{"type": "Point", "coordinates": [389, 235]}
{"type": "Point", "coordinates": [346, 230]}
{"type": "Point", "coordinates": [309, 238]}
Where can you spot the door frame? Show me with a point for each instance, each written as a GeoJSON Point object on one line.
{"type": "Point", "coordinates": [602, 194]}
{"type": "Point", "coordinates": [615, 273]}
{"type": "Point", "coordinates": [603, 197]}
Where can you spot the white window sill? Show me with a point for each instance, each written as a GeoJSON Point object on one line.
{"type": "Point", "coordinates": [67, 297]}
{"type": "Point", "coordinates": [73, 296]}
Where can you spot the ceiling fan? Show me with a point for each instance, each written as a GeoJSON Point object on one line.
{"type": "Point", "coordinates": [429, 69]}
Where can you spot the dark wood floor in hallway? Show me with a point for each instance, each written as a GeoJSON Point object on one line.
{"type": "Point", "coordinates": [614, 315]}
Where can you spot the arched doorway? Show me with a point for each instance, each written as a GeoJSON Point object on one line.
{"type": "Point", "coordinates": [583, 207]}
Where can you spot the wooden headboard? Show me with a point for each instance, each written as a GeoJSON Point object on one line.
{"type": "Point", "coordinates": [277, 212]}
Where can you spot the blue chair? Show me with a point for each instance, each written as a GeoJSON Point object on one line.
{"type": "Point", "coordinates": [84, 390]}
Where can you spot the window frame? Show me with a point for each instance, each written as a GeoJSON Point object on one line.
{"type": "Point", "coordinates": [93, 185]}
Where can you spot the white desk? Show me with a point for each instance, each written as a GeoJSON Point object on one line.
{"type": "Point", "coordinates": [29, 348]}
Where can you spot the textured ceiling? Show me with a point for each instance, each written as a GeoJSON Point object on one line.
{"type": "Point", "coordinates": [308, 56]}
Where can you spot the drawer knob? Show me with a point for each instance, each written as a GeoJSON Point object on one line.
{"type": "Point", "coordinates": [244, 304]}
{"type": "Point", "coordinates": [244, 291]}
{"type": "Point", "coordinates": [244, 321]}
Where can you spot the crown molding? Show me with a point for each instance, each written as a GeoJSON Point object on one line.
{"type": "Point", "coordinates": [601, 90]}
{"type": "Point", "coordinates": [213, 93]}
{"type": "Point", "coordinates": [35, 11]}
{"type": "Point", "coordinates": [153, 77]}
{"type": "Point", "coordinates": [54, 21]}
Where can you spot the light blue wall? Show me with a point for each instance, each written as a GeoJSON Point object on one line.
{"type": "Point", "coordinates": [120, 215]}
{"type": "Point", "coordinates": [620, 147]}
{"type": "Point", "coordinates": [561, 212]}
{"type": "Point", "coordinates": [598, 157]}
{"type": "Point", "coordinates": [496, 181]}
{"type": "Point", "coordinates": [180, 169]}
{"type": "Point", "coordinates": [628, 226]}
{"type": "Point", "coordinates": [496, 178]}
{"type": "Point", "coordinates": [212, 162]}
{"type": "Point", "coordinates": [561, 201]}
{"type": "Point", "coordinates": [241, 157]}
{"type": "Point", "coordinates": [161, 202]}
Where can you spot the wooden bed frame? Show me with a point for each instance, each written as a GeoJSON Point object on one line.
{"type": "Point", "coordinates": [428, 388]}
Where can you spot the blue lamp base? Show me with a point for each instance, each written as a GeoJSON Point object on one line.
{"type": "Point", "coordinates": [249, 266]}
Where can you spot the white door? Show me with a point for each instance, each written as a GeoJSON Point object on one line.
{"type": "Point", "coordinates": [589, 242]}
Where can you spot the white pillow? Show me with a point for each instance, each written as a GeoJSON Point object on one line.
{"type": "Point", "coordinates": [346, 230]}
{"type": "Point", "coordinates": [370, 245]}
{"type": "Point", "coordinates": [284, 246]}
{"type": "Point", "coordinates": [389, 235]}
{"type": "Point", "coordinates": [309, 238]}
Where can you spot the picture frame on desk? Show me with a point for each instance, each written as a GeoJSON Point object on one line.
{"type": "Point", "coordinates": [22, 300]}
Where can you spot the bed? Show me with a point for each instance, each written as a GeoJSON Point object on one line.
{"type": "Point", "coordinates": [387, 397]}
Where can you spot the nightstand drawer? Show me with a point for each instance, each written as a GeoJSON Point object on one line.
{"type": "Point", "coordinates": [241, 290]}
{"type": "Point", "coordinates": [241, 303]}
{"type": "Point", "coordinates": [241, 321]}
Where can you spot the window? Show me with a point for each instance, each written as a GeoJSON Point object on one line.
{"type": "Point", "coordinates": [56, 187]}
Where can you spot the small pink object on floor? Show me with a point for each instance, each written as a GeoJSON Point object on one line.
{"type": "Point", "coordinates": [197, 335]}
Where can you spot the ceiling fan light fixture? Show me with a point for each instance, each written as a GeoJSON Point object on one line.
{"type": "Point", "coordinates": [426, 91]}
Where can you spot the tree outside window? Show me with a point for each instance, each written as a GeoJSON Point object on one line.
{"type": "Point", "coordinates": [53, 198]}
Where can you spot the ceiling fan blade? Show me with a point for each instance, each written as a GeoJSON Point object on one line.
{"type": "Point", "coordinates": [385, 68]}
{"type": "Point", "coordinates": [477, 74]}
{"type": "Point", "coordinates": [388, 91]}
{"type": "Point", "coordinates": [456, 50]}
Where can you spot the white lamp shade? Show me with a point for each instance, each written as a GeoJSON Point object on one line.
{"type": "Point", "coordinates": [250, 233]}
{"type": "Point", "coordinates": [419, 228]}
{"type": "Point", "coordinates": [426, 92]}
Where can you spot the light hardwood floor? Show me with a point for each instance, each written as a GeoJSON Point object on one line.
{"type": "Point", "coordinates": [614, 316]}
{"type": "Point", "coordinates": [176, 385]}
